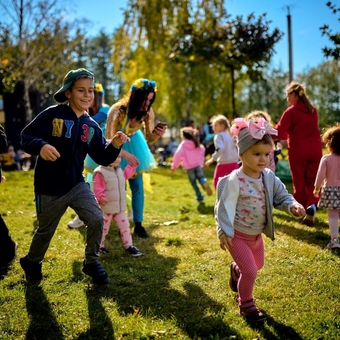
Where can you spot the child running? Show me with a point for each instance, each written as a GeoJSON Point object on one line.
{"type": "Point", "coordinates": [243, 210]}
{"type": "Point", "coordinates": [62, 136]}
{"type": "Point", "coordinates": [190, 154]}
{"type": "Point", "coordinates": [328, 181]}
{"type": "Point", "coordinates": [225, 149]}
{"type": "Point", "coordinates": [109, 189]}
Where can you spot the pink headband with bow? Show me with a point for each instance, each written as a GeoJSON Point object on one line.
{"type": "Point", "coordinates": [249, 132]}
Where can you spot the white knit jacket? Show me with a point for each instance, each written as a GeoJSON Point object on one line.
{"type": "Point", "coordinates": [228, 188]}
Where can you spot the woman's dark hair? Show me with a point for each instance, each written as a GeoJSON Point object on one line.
{"type": "Point", "coordinates": [137, 98]}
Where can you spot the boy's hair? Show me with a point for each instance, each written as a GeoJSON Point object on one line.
{"type": "Point", "coordinates": [68, 82]}
{"type": "Point", "coordinates": [255, 115]}
{"type": "Point", "coordinates": [191, 134]}
{"type": "Point", "coordinates": [300, 91]}
{"type": "Point", "coordinates": [331, 138]}
{"type": "Point", "coordinates": [221, 120]}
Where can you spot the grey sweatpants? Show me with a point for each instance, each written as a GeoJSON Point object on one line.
{"type": "Point", "coordinates": [50, 209]}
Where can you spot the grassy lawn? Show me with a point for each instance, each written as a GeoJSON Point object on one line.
{"type": "Point", "coordinates": [179, 289]}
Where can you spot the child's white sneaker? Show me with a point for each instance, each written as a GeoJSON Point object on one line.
{"type": "Point", "coordinates": [333, 244]}
{"type": "Point", "coordinates": [76, 223]}
{"type": "Point", "coordinates": [130, 215]}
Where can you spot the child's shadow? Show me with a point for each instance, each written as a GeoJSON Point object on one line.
{"type": "Point", "coordinates": [205, 209]}
{"type": "Point", "coordinates": [145, 289]}
{"type": "Point", "coordinates": [43, 323]}
{"type": "Point", "coordinates": [280, 331]}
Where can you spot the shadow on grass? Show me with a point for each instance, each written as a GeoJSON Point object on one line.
{"type": "Point", "coordinates": [205, 209]}
{"type": "Point", "coordinates": [311, 235]}
{"type": "Point", "coordinates": [279, 331]}
{"type": "Point", "coordinates": [43, 323]}
{"type": "Point", "coordinates": [144, 290]}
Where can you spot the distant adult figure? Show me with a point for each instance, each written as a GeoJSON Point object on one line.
{"type": "Point", "coordinates": [209, 135]}
{"type": "Point", "coordinates": [299, 126]}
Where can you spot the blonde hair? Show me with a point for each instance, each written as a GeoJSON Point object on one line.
{"type": "Point", "coordinates": [220, 119]}
{"type": "Point", "coordinates": [254, 115]}
{"type": "Point", "coordinates": [300, 92]}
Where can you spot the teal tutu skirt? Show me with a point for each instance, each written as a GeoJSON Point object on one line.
{"type": "Point", "coordinates": [140, 149]}
{"type": "Point", "coordinates": [89, 164]}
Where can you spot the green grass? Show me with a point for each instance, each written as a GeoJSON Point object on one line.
{"type": "Point", "coordinates": [179, 288]}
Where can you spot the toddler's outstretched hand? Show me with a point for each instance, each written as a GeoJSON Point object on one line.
{"type": "Point", "coordinates": [225, 242]}
{"type": "Point", "coordinates": [298, 210]}
{"type": "Point", "coordinates": [103, 201]}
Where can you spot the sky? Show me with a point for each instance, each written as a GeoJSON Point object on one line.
{"type": "Point", "coordinates": [306, 18]}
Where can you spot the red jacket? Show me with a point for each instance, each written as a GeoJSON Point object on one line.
{"type": "Point", "coordinates": [299, 126]}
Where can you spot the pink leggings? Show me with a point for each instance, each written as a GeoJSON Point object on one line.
{"type": "Point", "coordinates": [333, 218]}
{"type": "Point", "coordinates": [248, 253]}
{"type": "Point", "coordinates": [124, 228]}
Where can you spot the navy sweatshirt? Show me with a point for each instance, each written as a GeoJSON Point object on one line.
{"type": "Point", "coordinates": [73, 138]}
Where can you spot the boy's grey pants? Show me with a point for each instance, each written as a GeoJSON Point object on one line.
{"type": "Point", "coordinates": [50, 209]}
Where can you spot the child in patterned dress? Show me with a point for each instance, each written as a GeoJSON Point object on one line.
{"type": "Point", "coordinates": [328, 181]}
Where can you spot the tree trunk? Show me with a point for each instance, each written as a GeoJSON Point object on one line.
{"type": "Point", "coordinates": [27, 103]}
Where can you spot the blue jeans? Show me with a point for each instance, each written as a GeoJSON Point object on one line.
{"type": "Point", "coordinates": [137, 191]}
{"type": "Point", "coordinates": [194, 175]}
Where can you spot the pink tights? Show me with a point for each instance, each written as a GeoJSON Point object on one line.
{"type": "Point", "coordinates": [333, 218]}
{"type": "Point", "coordinates": [124, 228]}
{"type": "Point", "coordinates": [248, 253]}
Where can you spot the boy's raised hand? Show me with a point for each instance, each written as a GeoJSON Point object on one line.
{"type": "Point", "coordinates": [119, 139]}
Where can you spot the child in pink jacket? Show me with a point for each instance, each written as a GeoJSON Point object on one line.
{"type": "Point", "coordinates": [109, 189]}
{"type": "Point", "coordinates": [190, 154]}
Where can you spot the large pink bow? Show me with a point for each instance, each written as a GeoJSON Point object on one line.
{"type": "Point", "coordinates": [257, 130]}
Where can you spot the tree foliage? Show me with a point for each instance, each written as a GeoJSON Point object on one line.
{"type": "Point", "coordinates": [189, 48]}
{"type": "Point", "coordinates": [323, 88]}
{"type": "Point", "coordinates": [332, 52]}
{"type": "Point", "coordinates": [37, 47]}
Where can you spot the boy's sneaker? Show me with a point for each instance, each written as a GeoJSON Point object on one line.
{"type": "Point", "coordinates": [333, 244]}
{"type": "Point", "coordinates": [132, 250]}
{"type": "Point", "coordinates": [310, 215]}
{"type": "Point", "coordinates": [97, 272]}
{"type": "Point", "coordinates": [104, 250]}
{"type": "Point", "coordinates": [207, 188]}
{"type": "Point", "coordinates": [76, 223]}
{"type": "Point", "coordinates": [32, 270]}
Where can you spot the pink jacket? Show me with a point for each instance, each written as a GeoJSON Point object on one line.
{"type": "Point", "coordinates": [188, 155]}
{"type": "Point", "coordinates": [328, 174]}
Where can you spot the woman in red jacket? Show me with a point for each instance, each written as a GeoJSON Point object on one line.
{"type": "Point", "coordinates": [299, 126]}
